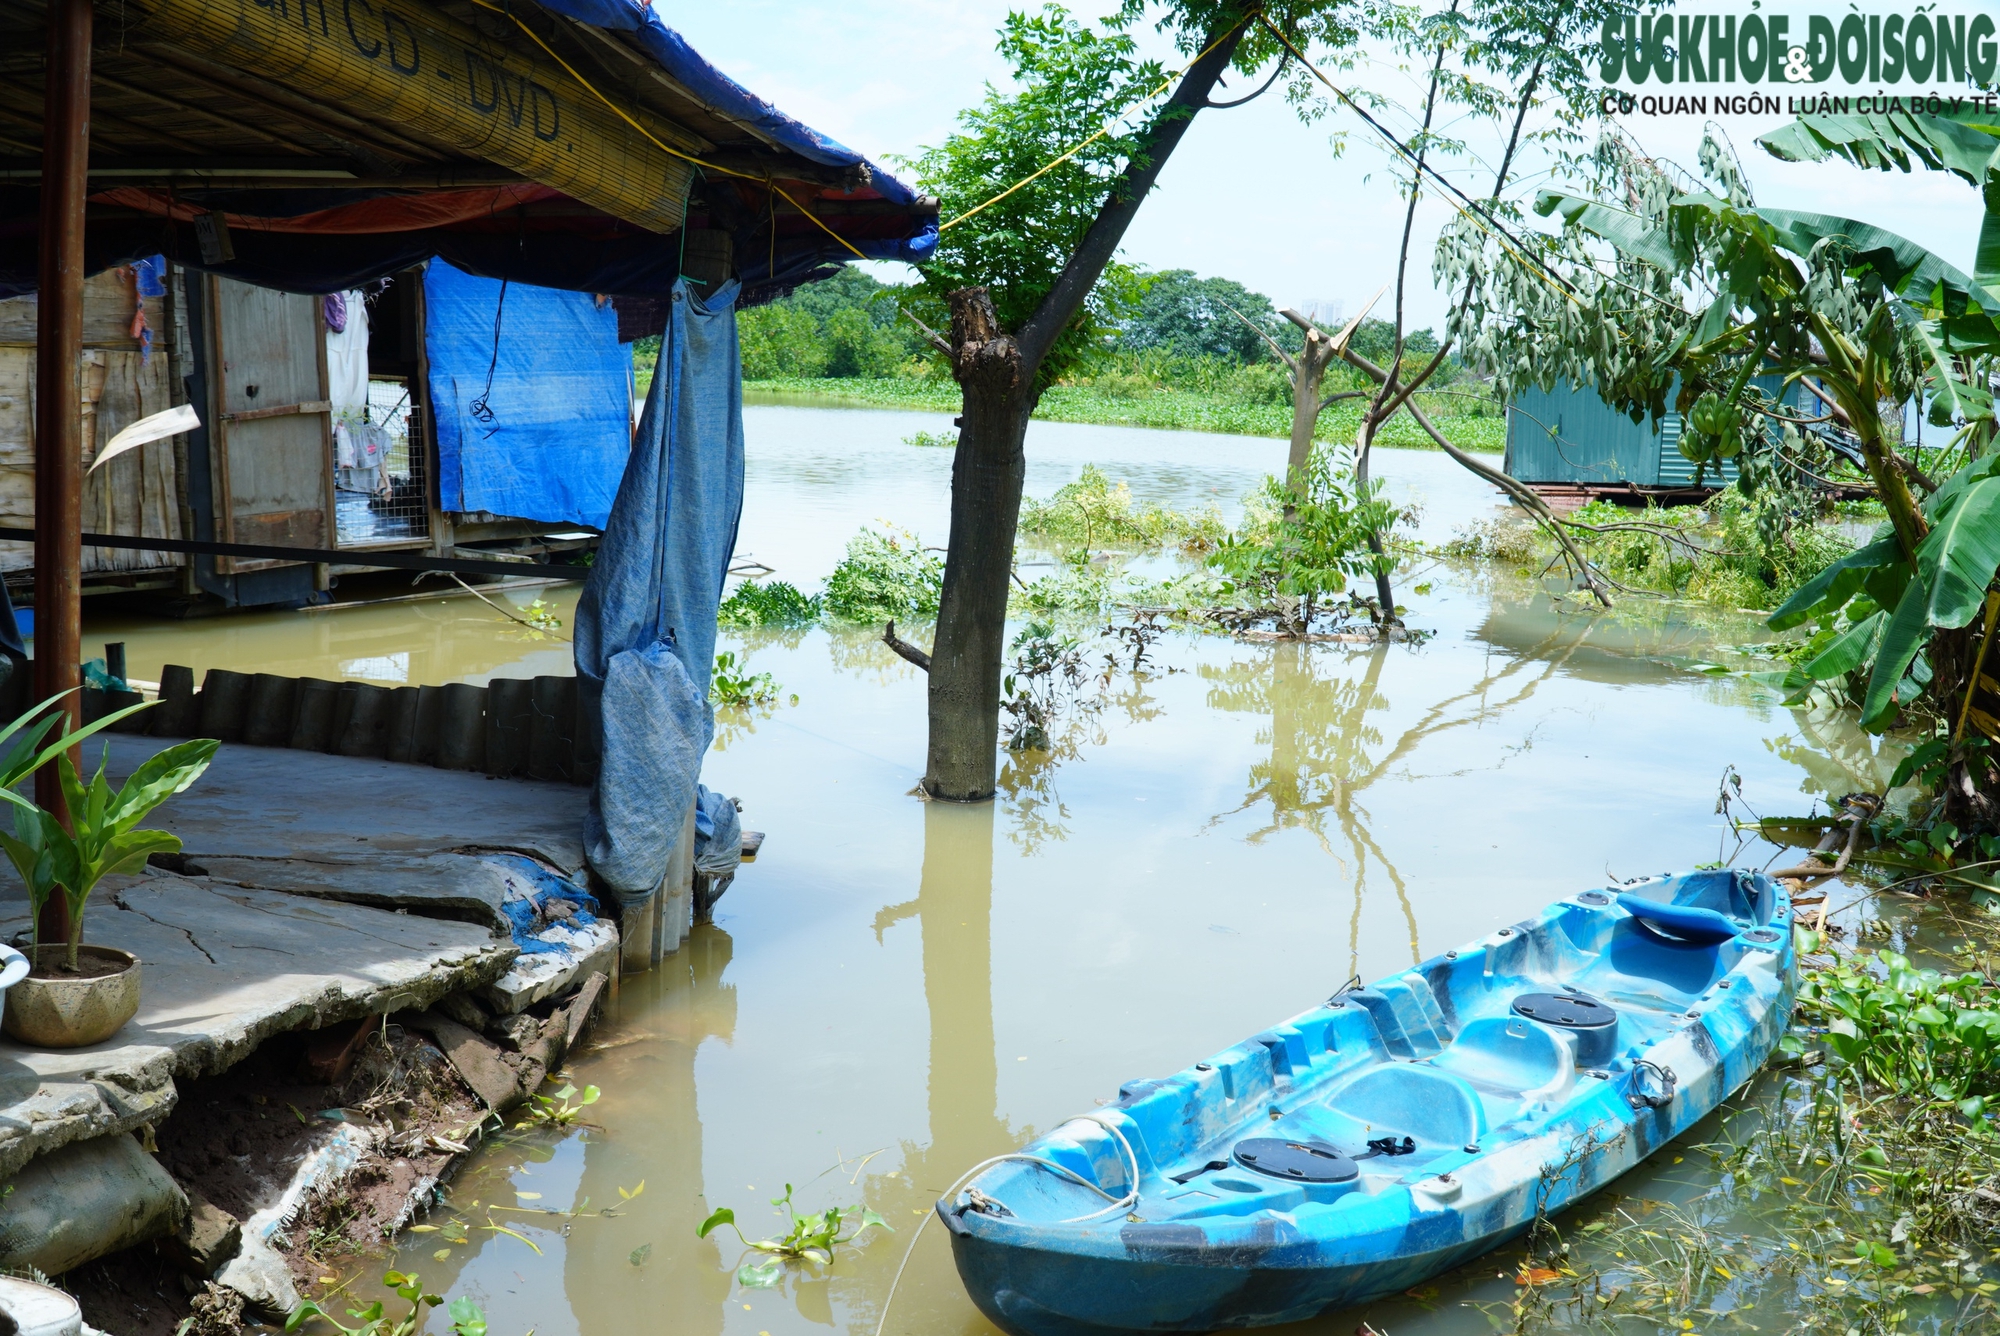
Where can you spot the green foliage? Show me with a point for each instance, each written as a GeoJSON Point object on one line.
{"type": "Point", "coordinates": [808, 1238]}
{"type": "Point", "coordinates": [466, 1317]}
{"type": "Point", "coordinates": [780, 340]}
{"type": "Point", "coordinates": [731, 682]}
{"type": "Point", "coordinates": [1915, 1033]}
{"type": "Point", "coordinates": [932, 440]}
{"type": "Point", "coordinates": [845, 326]}
{"type": "Point", "coordinates": [1094, 512]}
{"type": "Point", "coordinates": [1071, 80]}
{"type": "Point", "coordinates": [1313, 540]}
{"type": "Point", "coordinates": [1876, 615]}
{"type": "Point", "coordinates": [563, 1108]}
{"type": "Point", "coordinates": [1155, 389]}
{"type": "Point", "coordinates": [105, 838]}
{"type": "Point", "coordinates": [778, 603]}
{"type": "Point", "coordinates": [1197, 317]}
{"type": "Point", "coordinates": [1716, 553]}
{"type": "Point", "coordinates": [886, 574]}
{"type": "Point", "coordinates": [1044, 682]}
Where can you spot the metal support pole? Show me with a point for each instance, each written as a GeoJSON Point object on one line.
{"type": "Point", "coordinates": [59, 389]}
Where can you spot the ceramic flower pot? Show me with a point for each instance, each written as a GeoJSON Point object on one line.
{"type": "Point", "coordinates": [33, 1309]}
{"type": "Point", "coordinates": [68, 1012]}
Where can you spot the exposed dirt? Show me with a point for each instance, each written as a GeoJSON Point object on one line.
{"type": "Point", "coordinates": [239, 1137]}
{"type": "Point", "coordinates": [52, 962]}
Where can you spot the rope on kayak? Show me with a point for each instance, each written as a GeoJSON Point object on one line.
{"type": "Point", "coordinates": [1126, 1202]}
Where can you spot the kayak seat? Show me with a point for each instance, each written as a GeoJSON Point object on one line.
{"type": "Point", "coordinates": [1435, 1107]}
{"type": "Point", "coordinates": [1505, 1055]}
{"type": "Point", "coordinates": [1698, 908]}
{"type": "Point", "coordinates": [1639, 971]}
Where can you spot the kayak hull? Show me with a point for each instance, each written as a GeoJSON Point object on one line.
{"type": "Point", "coordinates": [1493, 1118]}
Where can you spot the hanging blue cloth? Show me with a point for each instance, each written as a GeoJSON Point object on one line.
{"type": "Point", "coordinates": [645, 624]}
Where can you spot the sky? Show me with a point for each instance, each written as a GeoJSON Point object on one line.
{"type": "Point", "coordinates": [1252, 193]}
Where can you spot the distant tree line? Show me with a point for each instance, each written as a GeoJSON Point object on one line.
{"type": "Point", "coordinates": [849, 326]}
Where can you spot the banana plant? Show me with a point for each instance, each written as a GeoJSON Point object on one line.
{"type": "Point", "coordinates": [103, 836]}
{"type": "Point", "coordinates": [1866, 319]}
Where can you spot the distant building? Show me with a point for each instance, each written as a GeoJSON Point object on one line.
{"type": "Point", "coordinates": [1572, 447]}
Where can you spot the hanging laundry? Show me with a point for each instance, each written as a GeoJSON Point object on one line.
{"type": "Point", "coordinates": [333, 309]}
{"type": "Point", "coordinates": [347, 360]}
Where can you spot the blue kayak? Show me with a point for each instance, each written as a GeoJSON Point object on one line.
{"type": "Point", "coordinates": [1394, 1132]}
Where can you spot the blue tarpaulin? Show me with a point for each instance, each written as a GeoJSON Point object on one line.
{"type": "Point", "coordinates": [531, 396]}
{"type": "Point", "coordinates": [645, 625]}
{"type": "Point", "coordinates": [722, 96]}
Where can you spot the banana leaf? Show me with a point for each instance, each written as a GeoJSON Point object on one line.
{"type": "Point", "coordinates": [1832, 587]}
{"type": "Point", "coordinates": [1959, 557]}
{"type": "Point", "coordinates": [1627, 231]}
{"type": "Point", "coordinates": [1902, 639]}
{"type": "Point", "coordinates": [1847, 652]}
{"type": "Point", "coordinates": [1958, 142]}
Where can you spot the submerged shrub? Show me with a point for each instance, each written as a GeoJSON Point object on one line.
{"type": "Point", "coordinates": [885, 574]}
{"type": "Point", "coordinates": [1094, 511]}
{"type": "Point", "coordinates": [775, 604]}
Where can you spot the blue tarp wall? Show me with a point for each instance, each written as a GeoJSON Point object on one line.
{"type": "Point", "coordinates": [541, 428]}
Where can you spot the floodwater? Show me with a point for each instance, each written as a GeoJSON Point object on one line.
{"type": "Point", "coordinates": [897, 990]}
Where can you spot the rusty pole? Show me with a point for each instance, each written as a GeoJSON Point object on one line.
{"type": "Point", "coordinates": [59, 389]}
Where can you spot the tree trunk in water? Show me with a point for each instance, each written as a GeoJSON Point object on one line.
{"type": "Point", "coordinates": [986, 476]}
{"type": "Point", "coordinates": [1384, 595]}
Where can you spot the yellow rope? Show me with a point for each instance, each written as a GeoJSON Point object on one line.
{"type": "Point", "coordinates": [766, 182]}
{"type": "Point", "coordinates": [1102, 131]}
{"type": "Point", "coordinates": [1463, 212]}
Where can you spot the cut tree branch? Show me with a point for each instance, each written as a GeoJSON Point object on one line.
{"type": "Point", "coordinates": [905, 648]}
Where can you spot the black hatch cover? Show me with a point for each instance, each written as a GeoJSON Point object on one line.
{"type": "Point", "coordinates": [1298, 1161]}
{"type": "Point", "coordinates": [1570, 1010]}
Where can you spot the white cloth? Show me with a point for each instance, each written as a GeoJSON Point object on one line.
{"type": "Point", "coordinates": [347, 362]}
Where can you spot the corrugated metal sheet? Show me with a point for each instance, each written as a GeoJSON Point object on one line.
{"type": "Point", "coordinates": [1570, 435]}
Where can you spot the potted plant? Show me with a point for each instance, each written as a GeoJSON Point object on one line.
{"type": "Point", "coordinates": [78, 994]}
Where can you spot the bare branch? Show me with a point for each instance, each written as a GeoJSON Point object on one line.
{"type": "Point", "coordinates": [1291, 363]}
{"type": "Point", "coordinates": [905, 648]}
{"type": "Point", "coordinates": [1333, 399]}
{"type": "Point", "coordinates": [1340, 340]}
{"type": "Point", "coordinates": [1523, 494]}
{"type": "Point", "coordinates": [938, 341]}
{"type": "Point", "coordinates": [1443, 350]}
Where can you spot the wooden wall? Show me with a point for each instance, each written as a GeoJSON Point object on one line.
{"type": "Point", "coordinates": [139, 492]}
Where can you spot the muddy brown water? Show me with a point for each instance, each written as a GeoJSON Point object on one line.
{"type": "Point", "coordinates": [896, 990]}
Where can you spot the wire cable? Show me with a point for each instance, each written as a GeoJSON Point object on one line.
{"type": "Point", "coordinates": [764, 181]}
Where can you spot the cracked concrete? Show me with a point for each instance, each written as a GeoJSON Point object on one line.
{"type": "Point", "coordinates": [335, 888]}
{"type": "Point", "coordinates": [226, 967]}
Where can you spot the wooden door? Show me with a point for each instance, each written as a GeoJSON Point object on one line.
{"type": "Point", "coordinates": [273, 455]}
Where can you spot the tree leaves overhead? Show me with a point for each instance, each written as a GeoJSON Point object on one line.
{"type": "Point", "coordinates": [1071, 81]}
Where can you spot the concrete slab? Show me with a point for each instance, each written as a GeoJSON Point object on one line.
{"type": "Point", "coordinates": [543, 974]}
{"type": "Point", "coordinates": [226, 967]}
{"type": "Point", "coordinates": [441, 885]}
{"type": "Point", "coordinates": [270, 802]}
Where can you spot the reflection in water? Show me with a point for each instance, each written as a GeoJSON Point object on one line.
{"type": "Point", "coordinates": [954, 908]}
{"type": "Point", "coordinates": [649, 1069]}
{"type": "Point", "coordinates": [1322, 745]}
